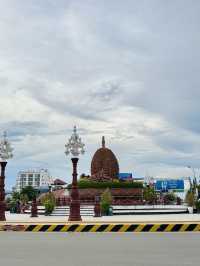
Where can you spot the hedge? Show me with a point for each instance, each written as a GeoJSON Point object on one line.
{"type": "Point", "coordinates": [93, 184]}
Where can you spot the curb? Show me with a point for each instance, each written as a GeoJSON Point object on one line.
{"type": "Point", "coordinates": [101, 227]}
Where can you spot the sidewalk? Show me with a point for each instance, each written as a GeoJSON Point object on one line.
{"type": "Point", "coordinates": [164, 218]}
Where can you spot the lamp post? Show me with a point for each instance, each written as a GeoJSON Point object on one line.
{"type": "Point", "coordinates": [5, 154]}
{"type": "Point", "coordinates": [75, 147]}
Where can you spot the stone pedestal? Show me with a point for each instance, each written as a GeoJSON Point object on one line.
{"type": "Point", "coordinates": [34, 210]}
{"type": "Point", "coordinates": [97, 207]}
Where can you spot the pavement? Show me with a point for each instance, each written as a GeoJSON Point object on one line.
{"type": "Point", "coordinates": [49, 249]}
{"type": "Point", "coordinates": [155, 218]}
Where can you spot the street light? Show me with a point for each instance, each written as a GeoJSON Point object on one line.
{"type": "Point", "coordinates": [75, 147]}
{"type": "Point", "coordinates": [5, 154]}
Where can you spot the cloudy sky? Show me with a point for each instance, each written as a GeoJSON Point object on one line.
{"type": "Point", "coordinates": [128, 70]}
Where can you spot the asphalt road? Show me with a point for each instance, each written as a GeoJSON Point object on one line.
{"type": "Point", "coordinates": [90, 249]}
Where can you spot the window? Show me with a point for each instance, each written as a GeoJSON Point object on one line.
{"type": "Point", "coordinates": [30, 179]}
{"type": "Point", "coordinates": [37, 181]}
{"type": "Point", "coordinates": [23, 183]}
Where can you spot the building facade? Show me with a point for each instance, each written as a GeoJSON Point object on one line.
{"type": "Point", "coordinates": [35, 178]}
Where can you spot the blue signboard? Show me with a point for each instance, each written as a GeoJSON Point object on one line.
{"type": "Point", "coordinates": [170, 184]}
{"type": "Point", "coordinates": [125, 176]}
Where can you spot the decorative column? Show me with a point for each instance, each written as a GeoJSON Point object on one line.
{"type": "Point", "coordinates": [75, 201]}
{"type": "Point", "coordinates": [5, 154]}
{"type": "Point", "coordinates": [2, 192]}
{"type": "Point", "coordinates": [34, 210]}
{"type": "Point", "coordinates": [74, 147]}
{"type": "Point", "coordinates": [97, 207]}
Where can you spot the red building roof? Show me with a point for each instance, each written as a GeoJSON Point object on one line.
{"type": "Point", "coordinates": [59, 182]}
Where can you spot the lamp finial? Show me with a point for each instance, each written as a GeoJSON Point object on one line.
{"type": "Point", "coordinates": [103, 142]}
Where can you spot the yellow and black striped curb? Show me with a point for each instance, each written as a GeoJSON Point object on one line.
{"type": "Point", "coordinates": [81, 227]}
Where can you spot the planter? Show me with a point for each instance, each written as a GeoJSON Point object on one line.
{"type": "Point", "coordinates": [190, 210]}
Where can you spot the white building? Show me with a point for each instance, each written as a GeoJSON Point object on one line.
{"type": "Point", "coordinates": [35, 178]}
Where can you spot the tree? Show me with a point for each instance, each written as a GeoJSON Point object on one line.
{"type": "Point", "coordinates": [24, 198]}
{"type": "Point", "coordinates": [15, 196]}
{"type": "Point", "coordinates": [30, 192]}
{"type": "Point", "coordinates": [14, 204]}
{"type": "Point", "coordinates": [106, 201]}
{"type": "Point", "coordinates": [190, 198]}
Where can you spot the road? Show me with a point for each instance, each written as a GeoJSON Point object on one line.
{"type": "Point", "coordinates": [90, 249]}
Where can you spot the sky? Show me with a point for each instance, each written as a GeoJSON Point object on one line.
{"type": "Point", "coordinates": [129, 70]}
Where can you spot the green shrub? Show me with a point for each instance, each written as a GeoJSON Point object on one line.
{"type": "Point", "coordinates": [149, 195]}
{"type": "Point", "coordinates": [169, 198]}
{"type": "Point", "coordinates": [49, 202]}
{"type": "Point", "coordinates": [103, 185]}
{"type": "Point", "coordinates": [106, 201]}
{"type": "Point", "coordinates": [12, 206]}
{"type": "Point", "coordinates": [49, 207]}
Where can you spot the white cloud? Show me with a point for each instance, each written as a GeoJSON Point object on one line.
{"type": "Point", "coordinates": [129, 71]}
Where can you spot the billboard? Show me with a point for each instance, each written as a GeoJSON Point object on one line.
{"type": "Point", "coordinates": [170, 184]}
{"type": "Point", "coordinates": [125, 176]}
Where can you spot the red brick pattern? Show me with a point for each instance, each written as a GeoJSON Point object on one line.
{"type": "Point", "coordinates": [121, 196]}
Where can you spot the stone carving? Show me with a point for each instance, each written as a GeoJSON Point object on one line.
{"type": "Point", "coordinates": [104, 166]}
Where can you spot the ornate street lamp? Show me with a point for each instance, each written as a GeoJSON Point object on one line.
{"type": "Point", "coordinates": [75, 147]}
{"type": "Point", "coordinates": [5, 154]}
